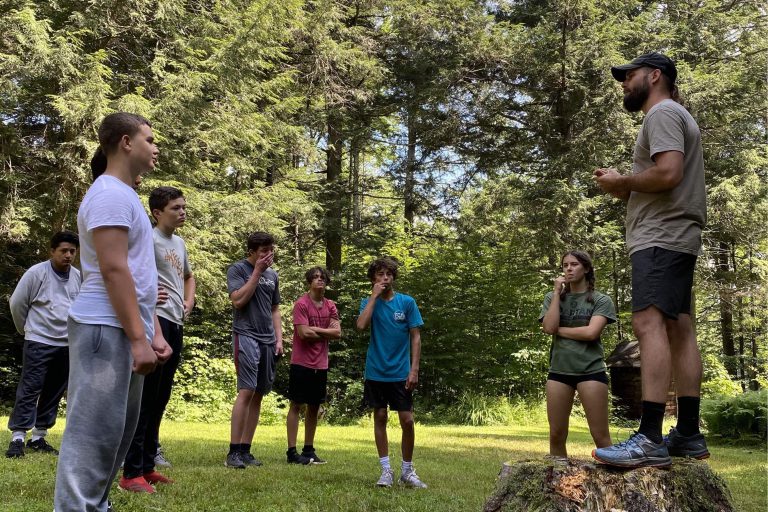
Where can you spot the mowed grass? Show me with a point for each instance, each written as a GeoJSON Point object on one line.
{"type": "Point", "coordinates": [459, 464]}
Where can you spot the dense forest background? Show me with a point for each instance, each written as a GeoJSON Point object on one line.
{"type": "Point", "coordinates": [458, 136]}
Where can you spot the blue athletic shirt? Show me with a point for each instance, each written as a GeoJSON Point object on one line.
{"type": "Point", "coordinates": [389, 352]}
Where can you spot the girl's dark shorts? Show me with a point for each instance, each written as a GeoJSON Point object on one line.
{"type": "Point", "coordinates": [575, 380]}
{"type": "Point", "coordinates": [378, 395]}
{"type": "Point", "coordinates": [664, 279]}
{"type": "Point", "coordinates": [307, 385]}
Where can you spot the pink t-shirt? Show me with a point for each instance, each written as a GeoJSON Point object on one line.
{"type": "Point", "coordinates": [312, 353]}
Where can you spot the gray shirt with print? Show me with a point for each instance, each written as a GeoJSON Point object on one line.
{"type": "Point", "coordinates": [672, 220]}
{"type": "Point", "coordinates": [172, 267]}
{"type": "Point", "coordinates": [255, 318]}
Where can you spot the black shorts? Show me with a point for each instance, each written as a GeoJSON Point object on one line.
{"type": "Point", "coordinates": [379, 394]}
{"type": "Point", "coordinates": [664, 279]}
{"type": "Point", "coordinates": [575, 380]}
{"type": "Point", "coordinates": [307, 385]}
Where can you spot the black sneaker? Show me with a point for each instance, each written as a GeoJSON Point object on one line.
{"type": "Point", "coordinates": [15, 449]}
{"type": "Point", "coordinates": [686, 446]}
{"type": "Point", "coordinates": [313, 458]}
{"type": "Point", "coordinates": [250, 460]}
{"type": "Point", "coordinates": [42, 446]}
{"type": "Point", "coordinates": [235, 460]}
{"type": "Point", "coordinates": [295, 457]}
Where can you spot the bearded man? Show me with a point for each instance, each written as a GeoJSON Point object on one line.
{"type": "Point", "coordinates": [666, 212]}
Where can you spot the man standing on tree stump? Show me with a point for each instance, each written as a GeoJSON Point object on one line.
{"type": "Point", "coordinates": [666, 212]}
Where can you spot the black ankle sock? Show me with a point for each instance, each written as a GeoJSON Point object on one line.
{"type": "Point", "coordinates": [650, 423]}
{"type": "Point", "coordinates": [234, 448]}
{"type": "Point", "coordinates": [245, 447]}
{"type": "Point", "coordinates": [308, 448]}
{"type": "Point", "coordinates": [688, 415]}
{"type": "Point", "coordinates": [291, 450]}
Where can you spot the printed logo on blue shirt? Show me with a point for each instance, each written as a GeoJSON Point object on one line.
{"type": "Point", "coordinates": [399, 316]}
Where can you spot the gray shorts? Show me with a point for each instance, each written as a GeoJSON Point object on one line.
{"type": "Point", "coordinates": [255, 364]}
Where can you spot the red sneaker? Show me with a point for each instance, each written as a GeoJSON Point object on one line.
{"type": "Point", "coordinates": [138, 484]}
{"type": "Point", "coordinates": [157, 478]}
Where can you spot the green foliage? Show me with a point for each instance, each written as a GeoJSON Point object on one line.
{"type": "Point", "coordinates": [205, 389]}
{"type": "Point", "coordinates": [475, 409]}
{"type": "Point", "coordinates": [205, 385]}
{"type": "Point", "coordinates": [345, 406]}
{"type": "Point", "coordinates": [480, 410]}
{"type": "Point", "coordinates": [743, 417]}
{"type": "Point", "coordinates": [464, 136]}
{"type": "Point", "coordinates": [716, 382]}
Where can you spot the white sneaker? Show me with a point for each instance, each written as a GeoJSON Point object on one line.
{"type": "Point", "coordinates": [161, 461]}
{"type": "Point", "coordinates": [411, 479]}
{"type": "Point", "coordinates": [387, 478]}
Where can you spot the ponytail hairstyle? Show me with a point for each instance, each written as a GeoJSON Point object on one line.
{"type": "Point", "coordinates": [111, 131]}
{"type": "Point", "coordinates": [589, 273]}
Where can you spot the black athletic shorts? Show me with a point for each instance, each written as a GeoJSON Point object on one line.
{"type": "Point", "coordinates": [664, 279]}
{"type": "Point", "coordinates": [379, 394]}
{"type": "Point", "coordinates": [575, 380]}
{"type": "Point", "coordinates": [307, 385]}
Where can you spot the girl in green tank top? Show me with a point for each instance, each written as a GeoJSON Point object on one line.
{"type": "Point", "coordinates": [575, 314]}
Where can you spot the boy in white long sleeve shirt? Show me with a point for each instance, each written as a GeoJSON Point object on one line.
{"type": "Point", "coordinates": [39, 307]}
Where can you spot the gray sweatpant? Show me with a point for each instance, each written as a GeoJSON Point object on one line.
{"type": "Point", "coordinates": [102, 410]}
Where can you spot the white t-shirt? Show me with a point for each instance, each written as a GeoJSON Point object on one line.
{"type": "Point", "coordinates": [110, 202]}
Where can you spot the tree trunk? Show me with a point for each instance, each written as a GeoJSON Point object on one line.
{"type": "Point", "coordinates": [410, 173]}
{"type": "Point", "coordinates": [354, 171]}
{"type": "Point", "coordinates": [726, 311]}
{"type": "Point", "coordinates": [615, 277]}
{"type": "Point", "coordinates": [754, 334]}
{"type": "Point", "coordinates": [333, 204]}
{"type": "Point", "coordinates": [571, 486]}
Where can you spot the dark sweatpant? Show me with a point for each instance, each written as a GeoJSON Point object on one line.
{"type": "Point", "coordinates": [154, 398]}
{"type": "Point", "coordinates": [44, 374]}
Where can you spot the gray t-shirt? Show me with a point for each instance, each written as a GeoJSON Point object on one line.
{"type": "Point", "coordinates": [255, 318]}
{"type": "Point", "coordinates": [672, 220]}
{"type": "Point", "coordinates": [172, 267]}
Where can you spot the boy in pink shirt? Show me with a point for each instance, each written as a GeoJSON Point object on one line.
{"type": "Point", "coordinates": [315, 322]}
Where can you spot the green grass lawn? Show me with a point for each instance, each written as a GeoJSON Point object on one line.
{"type": "Point", "coordinates": [458, 463]}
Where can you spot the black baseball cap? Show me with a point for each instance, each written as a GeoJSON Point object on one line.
{"type": "Point", "coordinates": [652, 60]}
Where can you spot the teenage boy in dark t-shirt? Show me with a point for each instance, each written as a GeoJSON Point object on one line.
{"type": "Point", "coordinates": [315, 322]}
{"type": "Point", "coordinates": [391, 365]}
{"type": "Point", "coordinates": [257, 340]}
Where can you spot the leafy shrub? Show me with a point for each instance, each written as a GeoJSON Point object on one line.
{"type": "Point", "coordinates": [744, 416]}
{"type": "Point", "coordinates": [345, 406]}
{"type": "Point", "coordinates": [476, 409]}
{"type": "Point", "coordinates": [206, 387]}
{"type": "Point", "coordinates": [717, 382]}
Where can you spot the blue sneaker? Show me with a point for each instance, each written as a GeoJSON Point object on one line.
{"type": "Point", "coordinates": [686, 446]}
{"type": "Point", "coordinates": [636, 452]}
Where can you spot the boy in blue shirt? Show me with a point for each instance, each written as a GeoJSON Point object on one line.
{"type": "Point", "coordinates": [391, 365]}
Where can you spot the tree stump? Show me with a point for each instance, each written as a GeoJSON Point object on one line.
{"type": "Point", "coordinates": [577, 485]}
